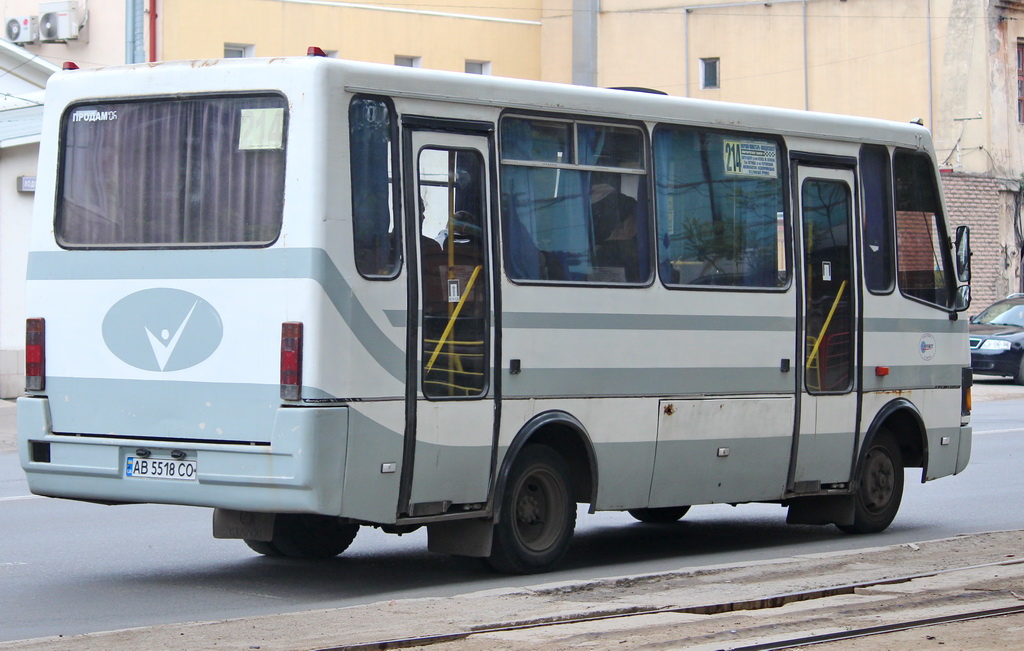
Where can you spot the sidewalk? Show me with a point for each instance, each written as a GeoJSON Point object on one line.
{"type": "Point", "coordinates": [610, 605]}
{"type": "Point", "coordinates": [8, 427]}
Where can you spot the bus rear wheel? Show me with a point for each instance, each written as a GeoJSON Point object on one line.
{"type": "Point", "coordinates": [264, 547]}
{"type": "Point", "coordinates": [879, 486]}
{"type": "Point", "coordinates": [659, 515]}
{"type": "Point", "coordinates": [302, 535]}
{"type": "Point", "coordinates": [538, 514]}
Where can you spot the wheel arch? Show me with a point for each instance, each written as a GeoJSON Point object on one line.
{"type": "Point", "coordinates": [904, 421]}
{"type": "Point", "coordinates": [565, 434]}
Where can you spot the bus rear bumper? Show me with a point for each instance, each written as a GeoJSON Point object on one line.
{"type": "Point", "coordinates": [300, 471]}
{"type": "Point", "coordinates": [964, 450]}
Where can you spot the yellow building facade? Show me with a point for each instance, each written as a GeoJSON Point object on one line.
{"type": "Point", "coordinates": [499, 37]}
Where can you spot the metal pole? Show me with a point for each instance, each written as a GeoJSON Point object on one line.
{"type": "Point", "coordinates": [584, 41]}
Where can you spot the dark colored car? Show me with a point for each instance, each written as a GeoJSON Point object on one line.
{"type": "Point", "coordinates": [997, 339]}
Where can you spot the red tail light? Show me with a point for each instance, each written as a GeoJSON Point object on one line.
{"type": "Point", "coordinates": [291, 361]}
{"type": "Point", "coordinates": [35, 354]}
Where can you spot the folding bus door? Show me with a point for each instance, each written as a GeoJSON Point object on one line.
{"type": "Point", "coordinates": [828, 403]}
{"type": "Point", "coordinates": [449, 445]}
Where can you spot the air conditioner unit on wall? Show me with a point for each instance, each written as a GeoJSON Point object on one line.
{"type": "Point", "coordinates": [58, 21]}
{"type": "Point", "coordinates": [21, 29]}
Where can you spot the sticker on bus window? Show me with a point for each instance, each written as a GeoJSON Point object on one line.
{"type": "Point", "coordinates": [745, 158]}
{"type": "Point", "coordinates": [261, 128]}
{"type": "Point", "coordinates": [92, 115]}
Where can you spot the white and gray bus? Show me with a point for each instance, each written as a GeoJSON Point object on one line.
{"type": "Point", "coordinates": [316, 295]}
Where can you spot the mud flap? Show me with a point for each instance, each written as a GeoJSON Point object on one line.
{"type": "Point", "coordinates": [243, 524]}
{"type": "Point", "coordinates": [822, 509]}
{"type": "Point", "coordinates": [461, 537]}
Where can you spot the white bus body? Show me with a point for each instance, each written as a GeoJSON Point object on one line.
{"type": "Point", "coordinates": [316, 294]}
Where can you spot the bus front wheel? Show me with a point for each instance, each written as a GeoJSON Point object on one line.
{"type": "Point", "coordinates": [538, 514]}
{"type": "Point", "coordinates": [301, 535]}
{"type": "Point", "coordinates": [879, 486]}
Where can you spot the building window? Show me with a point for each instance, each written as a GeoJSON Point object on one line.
{"type": "Point", "coordinates": [409, 62]}
{"type": "Point", "coordinates": [1020, 82]}
{"type": "Point", "coordinates": [478, 67]}
{"type": "Point", "coordinates": [709, 73]}
{"type": "Point", "coordinates": [238, 50]}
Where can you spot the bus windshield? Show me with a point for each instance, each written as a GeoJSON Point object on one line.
{"type": "Point", "coordinates": [185, 171]}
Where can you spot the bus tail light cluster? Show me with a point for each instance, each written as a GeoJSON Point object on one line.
{"type": "Point", "coordinates": [291, 361]}
{"type": "Point", "coordinates": [35, 354]}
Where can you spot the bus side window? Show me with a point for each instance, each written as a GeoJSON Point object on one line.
{"type": "Point", "coordinates": [924, 265]}
{"type": "Point", "coordinates": [876, 180]}
{"type": "Point", "coordinates": [374, 183]}
{"type": "Point", "coordinates": [720, 209]}
{"type": "Point", "coordinates": [574, 202]}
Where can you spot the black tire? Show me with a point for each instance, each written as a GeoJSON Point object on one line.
{"type": "Point", "coordinates": [879, 486]}
{"type": "Point", "coordinates": [538, 514]}
{"type": "Point", "coordinates": [301, 535]}
{"type": "Point", "coordinates": [264, 547]}
{"type": "Point", "coordinates": [660, 515]}
{"type": "Point", "coordinates": [1019, 377]}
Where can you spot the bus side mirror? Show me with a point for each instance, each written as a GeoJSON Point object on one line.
{"type": "Point", "coordinates": [963, 254]}
{"type": "Point", "coordinates": [963, 298]}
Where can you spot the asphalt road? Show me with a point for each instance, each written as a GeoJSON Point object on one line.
{"type": "Point", "coordinates": [68, 567]}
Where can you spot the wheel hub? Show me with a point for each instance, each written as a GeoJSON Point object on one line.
{"type": "Point", "coordinates": [528, 510]}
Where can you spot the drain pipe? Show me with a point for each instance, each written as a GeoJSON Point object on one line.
{"type": "Point", "coordinates": [686, 45]}
{"type": "Point", "coordinates": [584, 41]}
{"type": "Point", "coordinates": [152, 30]}
{"type": "Point", "coordinates": [931, 90]}
{"type": "Point", "coordinates": [807, 81]}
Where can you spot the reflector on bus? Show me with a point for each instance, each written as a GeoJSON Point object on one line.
{"type": "Point", "coordinates": [35, 354]}
{"type": "Point", "coordinates": [291, 360]}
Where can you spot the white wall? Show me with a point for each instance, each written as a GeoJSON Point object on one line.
{"type": "Point", "coordinates": [15, 215]}
{"type": "Point", "coordinates": [104, 39]}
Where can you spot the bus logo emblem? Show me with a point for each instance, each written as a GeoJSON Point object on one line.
{"type": "Point", "coordinates": [927, 347]}
{"type": "Point", "coordinates": [162, 330]}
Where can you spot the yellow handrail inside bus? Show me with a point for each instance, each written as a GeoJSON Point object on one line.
{"type": "Point", "coordinates": [451, 320]}
{"type": "Point", "coordinates": [824, 328]}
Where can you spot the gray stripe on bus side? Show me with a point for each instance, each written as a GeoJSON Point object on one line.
{"type": "Point", "coordinates": [599, 321]}
{"type": "Point", "coordinates": [603, 382]}
{"type": "Point", "coordinates": [905, 378]}
{"type": "Point", "coordinates": [305, 263]}
{"type": "Point", "coordinates": [315, 264]}
{"type": "Point", "coordinates": [626, 382]}
{"type": "Point", "coordinates": [934, 326]}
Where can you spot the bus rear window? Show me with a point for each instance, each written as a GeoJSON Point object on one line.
{"type": "Point", "coordinates": [192, 171]}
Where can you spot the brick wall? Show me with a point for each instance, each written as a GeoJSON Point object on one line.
{"type": "Point", "coordinates": [986, 205]}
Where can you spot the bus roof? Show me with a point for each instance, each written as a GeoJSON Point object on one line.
{"type": "Point", "coordinates": [397, 81]}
